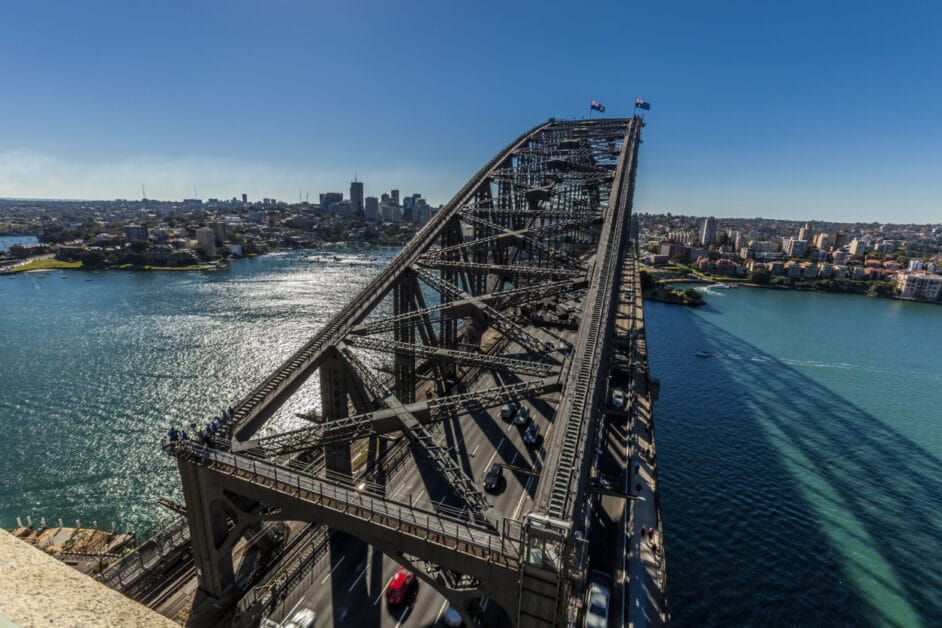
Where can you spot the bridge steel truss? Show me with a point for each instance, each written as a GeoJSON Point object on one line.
{"type": "Point", "coordinates": [547, 216]}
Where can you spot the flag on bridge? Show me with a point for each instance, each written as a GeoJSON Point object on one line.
{"type": "Point", "coordinates": [641, 104]}
{"type": "Point", "coordinates": [597, 107]}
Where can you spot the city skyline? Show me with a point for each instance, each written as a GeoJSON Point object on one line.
{"type": "Point", "coordinates": [823, 112]}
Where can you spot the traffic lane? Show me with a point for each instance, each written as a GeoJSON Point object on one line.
{"type": "Point", "coordinates": [351, 591]}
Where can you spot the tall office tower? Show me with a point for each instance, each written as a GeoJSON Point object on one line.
{"type": "Point", "coordinates": [245, 198]}
{"type": "Point", "coordinates": [708, 231]}
{"type": "Point", "coordinates": [219, 229]}
{"type": "Point", "coordinates": [395, 196]}
{"type": "Point", "coordinates": [805, 233]}
{"type": "Point", "coordinates": [356, 195]}
{"type": "Point", "coordinates": [371, 208]}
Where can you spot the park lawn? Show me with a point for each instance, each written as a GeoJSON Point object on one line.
{"type": "Point", "coordinates": [47, 264]}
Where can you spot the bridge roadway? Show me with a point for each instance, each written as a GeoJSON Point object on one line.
{"type": "Point", "coordinates": [413, 513]}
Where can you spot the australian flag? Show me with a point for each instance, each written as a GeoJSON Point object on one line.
{"type": "Point", "coordinates": [597, 107]}
{"type": "Point", "coordinates": [642, 104]}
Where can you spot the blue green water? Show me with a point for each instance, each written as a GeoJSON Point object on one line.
{"type": "Point", "coordinates": [801, 462]}
{"type": "Point", "coordinates": [94, 367]}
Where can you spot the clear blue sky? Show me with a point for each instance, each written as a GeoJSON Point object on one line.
{"type": "Point", "coordinates": [811, 110]}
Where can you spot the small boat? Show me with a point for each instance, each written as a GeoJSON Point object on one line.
{"type": "Point", "coordinates": [721, 286]}
{"type": "Point", "coordinates": [703, 354]}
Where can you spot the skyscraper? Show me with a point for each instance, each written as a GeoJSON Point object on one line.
{"type": "Point", "coordinates": [395, 196]}
{"type": "Point", "coordinates": [356, 196]}
{"type": "Point", "coordinates": [805, 233]}
{"type": "Point", "coordinates": [371, 208]}
{"type": "Point", "coordinates": [708, 231]}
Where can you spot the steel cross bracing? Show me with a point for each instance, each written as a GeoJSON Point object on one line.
{"type": "Point", "coordinates": [383, 421]}
{"type": "Point", "coordinates": [481, 360]}
{"type": "Point", "coordinates": [272, 390]}
{"type": "Point", "coordinates": [503, 299]}
{"type": "Point", "coordinates": [500, 322]}
{"type": "Point", "coordinates": [458, 480]}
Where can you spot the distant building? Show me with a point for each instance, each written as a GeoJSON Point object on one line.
{"type": "Point", "coordinates": [708, 231]}
{"type": "Point", "coordinates": [245, 198]}
{"type": "Point", "coordinates": [394, 194]}
{"type": "Point", "coordinates": [805, 233]}
{"type": "Point", "coordinates": [206, 241]}
{"type": "Point", "coordinates": [919, 285]}
{"type": "Point", "coordinates": [328, 199]}
{"type": "Point", "coordinates": [371, 208]}
{"type": "Point", "coordinates": [858, 247]}
{"type": "Point", "coordinates": [356, 196]}
{"type": "Point", "coordinates": [219, 228]}
{"type": "Point", "coordinates": [822, 241]}
{"type": "Point", "coordinates": [794, 248]}
{"type": "Point", "coordinates": [133, 233]}
{"type": "Point", "coordinates": [192, 203]}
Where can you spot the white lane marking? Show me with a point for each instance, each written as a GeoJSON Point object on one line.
{"type": "Point", "coordinates": [494, 455]}
{"type": "Point", "coordinates": [353, 586]}
{"type": "Point", "coordinates": [401, 486]}
{"type": "Point", "coordinates": [380, 596]}
{"type": "Point", "coordinates": [295, 607]}
{"type": "Point", "coordinates": [516, 453]}
{"type": "Point", "coordinates": [509, 426]}
{"type": "Point", "coordinates": [421, 493]}
{"type": "Point", "coordinates": [475, 450]}
{"type": "Point", "coordinates": [439, 504]}
{"type": "Point", "coordinates": [441, 611]}
{"type": "Point", "coordinates": [526, 493]}
{"type": "Point", "coordinates": [332, 570]}
{"type": "Point", "coordinates": [403, 616]}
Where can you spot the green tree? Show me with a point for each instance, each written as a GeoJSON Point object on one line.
{"type": "Point", "coordinates": [760, 276]}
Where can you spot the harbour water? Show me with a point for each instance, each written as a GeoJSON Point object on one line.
{"type": "Point", "coordinates": [96, 366]}
{"type": "Point", "coordinates": [800, 459]}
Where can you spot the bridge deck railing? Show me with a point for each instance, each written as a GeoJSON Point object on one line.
{"type": "Point", "coordinates": [501, 547]}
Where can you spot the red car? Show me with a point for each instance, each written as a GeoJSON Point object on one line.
{"type": "Point", "coordinates": [400, 585]}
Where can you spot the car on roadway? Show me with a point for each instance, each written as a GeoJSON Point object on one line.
{"type": "Point", "coordinates": [452, 618]}
{"type": "Point", "coordinates": [522, 417]}
{"type": "Point", "coordinates": [532, 436]}
{"type": "Point", "coordinates": [494, 478]}
{"type": "Point", "coordinates": [618, 398]}
{"type": "Point", "coordinates": [508, 411]}
{"type": "Point", "coordinates": [597, 600]}
{"type": "Point", "coordinates": [304, 618]}
{"type": "Point", "coordinates": [399, 586]}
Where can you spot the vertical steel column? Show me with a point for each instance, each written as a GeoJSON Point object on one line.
{"type": "Point", "coordinates": [209, 531]}
{"type": "Point", "coordinates": [404, 331]}
{"type": "Point", "coordinates": [335, 405]}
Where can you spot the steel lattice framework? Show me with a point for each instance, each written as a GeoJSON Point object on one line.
{"type": "Point", "coordinates": [546, 217]}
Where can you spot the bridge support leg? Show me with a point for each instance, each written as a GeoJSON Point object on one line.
{"type": "Point", "coordinates": [209, 531]}
{"type": "Point", "coordinates": [335, 405]}
{"type": "Point", "coordinates": [403, 303]}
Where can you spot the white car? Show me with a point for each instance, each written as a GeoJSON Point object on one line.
{"type": "Point", "coordinates": [304, 618]}
{"type": "Point", "coordinates": [618, 398]}
{"type": "Point", "coordinates": [596, 611]}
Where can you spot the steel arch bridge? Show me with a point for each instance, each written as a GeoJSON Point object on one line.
{"type": "Point", "coordinates": [505, 296]}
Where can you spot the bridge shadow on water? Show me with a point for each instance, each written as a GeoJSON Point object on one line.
{"type": "Point", "coordinates": [784, 503]}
